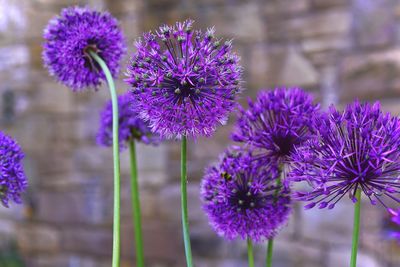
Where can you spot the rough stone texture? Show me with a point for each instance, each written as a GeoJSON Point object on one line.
{"type": "Point", "coordinates": [338, 49]}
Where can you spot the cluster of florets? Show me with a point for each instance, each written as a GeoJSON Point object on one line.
{"type": "Point", "coordinates": [354, 149]}
{"type": "Point", "coordinates": [243, 198]}
{"type": "Point", "coordinates": [13, 181]}
{"type": "Point", "coordinates": [277, 122]}
{"type": "Point", "coordinates": [131, 127]}
{"type": "Point", "coordinates": [185, 82]}
{"type": "Point", "coordinates": [69, 39]}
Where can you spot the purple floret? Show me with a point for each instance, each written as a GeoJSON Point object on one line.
{"type": "Point", "coordinates": [354, 149]}
{"type": "Point", "coordinates": [68, 40]}
{"type": "Point", "coordinates": [13, 181]}
{"type": "Point", "coordinates": [277, 122]}
{"type": "Point", "coordinates": [185, 82]}
{"type": "Point", "coordinates": [130, 125]}
{"type": "Point", "coordinates": [243, 198]}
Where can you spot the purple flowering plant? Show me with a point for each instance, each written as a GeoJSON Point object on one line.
{"type": "Point", "coordinates": [356, 149]}
{"type": "Point", "coordinates": [130, 125]}
{"type": "Point", "coordinates": [242, 199]}
{"type": "Point", "coordinates": [70, 37]}
{"type": "Point", "coordinates": [82, 48]}
{"type": "Point", "coordinates": [13, 181]}
{"type": "Point", "coordinates": [272, 127]}
{"type": "Point", "coordinates": [277, 122]}
{"type": "Point", "coordinates": [185, 82]}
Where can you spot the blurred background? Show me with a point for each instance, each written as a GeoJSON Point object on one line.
{"type": "Point", "coordinates": [337, 49]}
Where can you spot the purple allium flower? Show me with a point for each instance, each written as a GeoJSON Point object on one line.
{"type": "Point", "coordinates": [276, 122]}
{"type": "Point", "coordinates": [243, 198]}
{"type": "Point", "coordinates": [68, 40]}
{"type": "Point", "coordinates": [185, 82]}
{"type": "Point", "coordinates": [130, 125]}
{"type": "Point", "coordinates": [12, 177]}
{"type": "Point", "coordinates": [354, 149]}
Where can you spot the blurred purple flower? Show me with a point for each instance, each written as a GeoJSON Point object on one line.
{"type": "Point", "coordinates": [277, 122]}
{"type": "Point", "coordinates": [356, 148]}
{"type": "Point", "coordinates": [185, 82]}
{"type": "Point", "coordinates": [396, 219]}
{"type": "Point", "coordinates": [130, 125]}
{"type": "Point", "coordinates": [12, 177]}
{"type": "Point", "coordinates": [242, 199]}
{"type": "Point", "coordinates": [68, 40]}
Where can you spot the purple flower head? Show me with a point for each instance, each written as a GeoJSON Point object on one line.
{"type": "Point", "coordinates": [185, 82]}
{"type": "Point", "coordinates": [12, 177]}
{"type": "Point", "coordinates": [243, 198]}
{"type": "Point", "coordinates": [277, 122]}
{"type": "Point", "coordinates": [354, 149]}
{"type": "Point", "coordinates": [130, 125]}
{"type": "Point", "coordinates": [68, 40]}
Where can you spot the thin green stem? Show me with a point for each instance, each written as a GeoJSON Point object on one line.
{"type": "Point", "coordinates": [270, 248]}
{"type": "Point", "coordinates": [356, 229]}
{"type": "Point", "coordinates": [184, 205]}
{"type": "Point", "coordinates": [250, 253]}
{"type": "Point", "coordinates": [137, 223]}
{"type": "Point", "coordinates": [117, 178]}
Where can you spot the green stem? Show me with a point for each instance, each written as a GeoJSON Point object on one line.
{"type": "Point", "coordinates": [117, 178]}
{"type": "Point", "coordinates": [250, 253]}
{"type": "Point", "coordinates": [356, 228]}
{"type": "Point", "coordinates": [137, 223]}
{"type": "Point", "coordinates": [270, 248]}
{"type": "Point", "coordinates": [184, 205]}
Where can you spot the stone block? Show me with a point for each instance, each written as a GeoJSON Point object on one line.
{"type": "Point", "coordinates": [370, 76]}
{"type": "Point", "coordinates": [93, 240]}
{"type": "Point", "coordinates": [374, 24]}
{"type": "Point", "coordinates": [289, 67]}
{"type": "Point", "coordinates": [241, 22]}
{"type": "Point", "coordinates": [277, 8]}
{"type": "Point", "coordinates": [335, 21]}
{"type": "Point", "coordinates": [325, 225]}
{"type": "Point", "coordinates": [38, 238]}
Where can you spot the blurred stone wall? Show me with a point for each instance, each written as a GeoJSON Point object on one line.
{"type": "Point", "coordinates": [338, 49]}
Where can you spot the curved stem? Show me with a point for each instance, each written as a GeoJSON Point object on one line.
{"type": "Point", "coordinates": [356, 229]}
{"type": "Point", "coordinates": [184, 206]}
{"type": "Point", "coordinates": [250, 254]}
{"type": "Point", "coordinates": [270, 248]}
{"type": "Point", "coordinates": [137, 222]}
{"type": "Point", "coordinates": [117, 178]}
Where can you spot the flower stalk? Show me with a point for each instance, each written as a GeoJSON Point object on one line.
{"type": "Point", "coordinates": [184, 205]}
{"type": "Point", "coordinates": [137, 223]}
{"type": "Point", "coordinates": [356, 228]}
{"type": "Point", "coordinates": [116, 161]}
{"type": "Point", "coordinates": [250, 253]}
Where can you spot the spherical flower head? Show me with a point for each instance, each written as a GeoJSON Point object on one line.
{"type": "Point", "coordinates": [242, 197]}
{"type": "Point", "coordinates": [354, 149]}
{"type": "Point", "coordinates": [277, 122]}
{"type": "Point", "coordinates": [12, 177]}
{"type": "Point", "coordinates": [131, 127]}
{"type": "Point", "coordinates": [185, 82]}
{"type": "Point", "coordinates": [71, 36]}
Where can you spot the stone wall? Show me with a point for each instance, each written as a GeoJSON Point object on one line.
{"type": "Point", "coordinates": [338, 49]}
